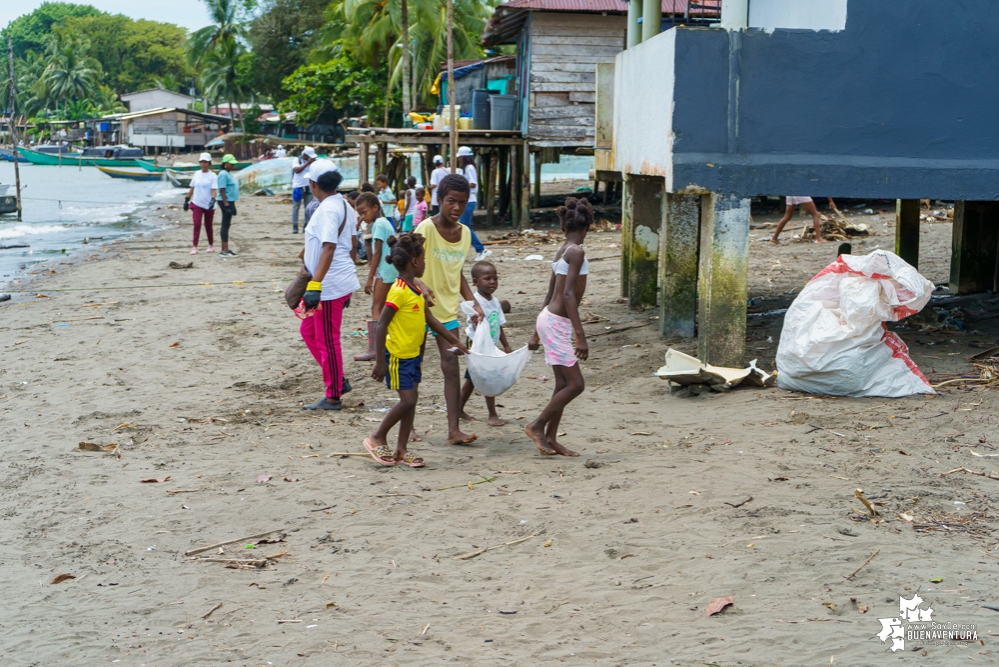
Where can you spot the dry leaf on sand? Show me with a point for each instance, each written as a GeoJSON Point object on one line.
{"type": "Point", "coordinates": [63, 577]}
{"type": "Point", "coordinates": [153, 480]}
{"type": "Point", "coordinates": [717, 605]}
{"type": "Point", "coordinates": [94, 447]}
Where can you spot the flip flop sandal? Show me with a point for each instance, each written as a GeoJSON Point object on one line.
{"type": "Point", "coordinates": [413, 461]}
{"type": "Point", "coordinates": [379, 454]}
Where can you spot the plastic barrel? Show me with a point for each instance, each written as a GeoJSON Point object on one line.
{"type": "Point", "coordinates": [480, 109]}
{"type": "Point", "coordinates": [502, 110]}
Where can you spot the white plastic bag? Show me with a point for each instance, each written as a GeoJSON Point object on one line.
{"type": "Point", "coordinates": [492, 370]}
{"type": "Point", "coordinates": [834, 339]}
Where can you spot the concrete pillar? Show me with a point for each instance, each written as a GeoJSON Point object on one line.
{"type": "Point", "coordinates": [634, 27]}
{"type": "Point", "coordinates": [647, 196]}
{"type": "Point", "coordinates": [907, 230]}
{"type": "Point", "coordinates": [734, 14]}
{"type": "Point", "coordinates": [626, 215]}
{"type": "Point", "coordinates": [652, 16]}
{"type": "Point", "coordinates": [973, 246]}
{"type": "Point", "coordinates": [723, 273]}
{"type": "Point", "coordinates": [678, 243]}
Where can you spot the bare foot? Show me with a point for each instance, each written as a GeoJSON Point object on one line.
{"type": "Point", "coordinates": [562, 450]}
{"type": "Point", "coordinates": [495, 421]}
{"type": "Point", "coordinates": [775, 240]}
{"type": "Point", "coordinates": [821, 240]}
{"type": "Point", "coordinates": [464, 416]}
{"type": "Point", "coordinates": [459, 438]}
{"type": "Point", "coordinates": [415, 437]}
{"type": "Point", "coordinates": [538, 437]}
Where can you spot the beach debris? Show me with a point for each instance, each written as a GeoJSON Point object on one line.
{"type": "Point", "coordinates": [863, 608]}
{"type": "Point", "coordinates": [850, 576]}
{"type": "Point", "coordinates": [210, 547]}
{"type": "Point", "coordinates": [936, 580]}
{"type": "Point", "coordinates": [990, 475]}
{"type": "Point", "coordinates": [289, 620]}
{"type": "Point", "coordinates": [211, 611]}
{"type": "Point", "coordinates": [548, 543]}
{"type": "Point", "coordinates": [293, 479]}
{"type": "Point", "coordinates": [859, 494]}
{"type": "Point", "coordinates": [94, 447]}
{"type": "Point", "coordinates": [593, 464]}
{"type": "Point", "coordinates": [684, 370]}
{"type": "Point", "coordinates": [331, 605]}
{"type": "Point", "coordinates": [533, 258]}
{"type": "Point", "coordinates": [741, 503]}
{"type": "Point", "coordinates": [4, 297]}
{"type": "Point", "coordinates": [174, 345]}
{"type": "Point", "coordinates": [178, 265]}
{"type": "Point", "coordinates": [261, 479]}
{"type": "Point", "coordinates": [62, 577]}
{"type": "Point", "coordinates": [182, 490]}
{"type": "Point", "coordinates": [717, 605]}
{"type": "Point", "coordinates": [507, 611]}
{"type": "Point", "coordinates": [479, 552]}
{"type": "Point", "coordinates": [153, 480]}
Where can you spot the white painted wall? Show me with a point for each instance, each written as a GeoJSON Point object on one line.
{"type": "Point", "coordinates": [156, 99]}
{"type": "Point", "coordinates": [644, 79]}
{"type": "Point", "coordinates": [798, 14]}
{"type": "Point", "coordinates": [734, 14]}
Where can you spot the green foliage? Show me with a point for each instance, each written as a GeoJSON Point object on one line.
{"type": "Point", "coordinates": [133, 54]}
{"type": "Point", "coordinates": [221, 72]}
{"type": "Point", "coordinates": [342, 84]}
{"type": "Point", "coordinates": [250, 123]}
{"type": "Point", "coordinates": [28, 32]}
{"type": "Point", "coordinates": [281, 38]}
{"type": "Point", "coordinates": [227, 22]}
{"type": "Point", "coordinates": [70, 73]}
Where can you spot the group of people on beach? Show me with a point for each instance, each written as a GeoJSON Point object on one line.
{"type": "Point", "coordinates": [416, 280]}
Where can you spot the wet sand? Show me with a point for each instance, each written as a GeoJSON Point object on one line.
{"type": "Point", "coordinates": [628, 543]}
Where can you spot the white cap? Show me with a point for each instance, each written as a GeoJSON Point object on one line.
{"type": "Point", "coordinates": [464, 151]}
{"type": "Point", "coordinates": [438, 159]}
{"type": "Point", "coordinates": [205, 157]}
{"type": "Point", "coordinates": [280, 146]}
{"type": "Point", "coordinates": [320, 167]}
{"type": "Point", "coordinates": [310, 151]}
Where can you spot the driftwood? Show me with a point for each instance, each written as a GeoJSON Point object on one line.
{"type": "Point", "coordinates": [862, 565]}
{"type": "Point", "coordinates": [222, 544]}
{"type": "Point", "coordinates": [479, 552]}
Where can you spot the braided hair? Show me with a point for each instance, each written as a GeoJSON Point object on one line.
{"type": "Point", "coordinates": [576, 214]}
{"type": "Point", "coordinates": [404, 249]}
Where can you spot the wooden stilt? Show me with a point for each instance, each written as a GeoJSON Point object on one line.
{"type": "Point", "coordinates": [973, 246]}
{"type": "Point", "coordinates": [723, 275]}
{"type": "Point", "coordinates": [678, 244]}
{"type": "Point", "coordinates": [504, 181]}
{"type": "Point", "coordinates": [626, 216]}
{"type": "Point", "coordinates": [646, 195]}
{"type": "Point", "coordinates": [362, 164]}
{"type": "Point", "coordinates": [489, 162]}
{"type": "Point", "coordinates": [907, 230]}
{"type": "Point", "coordinates": [381, 159]}
{"type": "Point", "coordinates": [537, 180]}
{"type": "Point", "coordinates": [515, 167]}
{"type": "Point", "coordinates": [524, 188]}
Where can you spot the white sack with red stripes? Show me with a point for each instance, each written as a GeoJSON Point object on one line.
{"type": "Point", "coordinates": [835, 340]}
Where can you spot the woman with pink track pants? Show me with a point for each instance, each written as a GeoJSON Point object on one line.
{"type": "Point", "coordinates": [200, 200]}
{"type": "Point", "coordinates": [329, 239]}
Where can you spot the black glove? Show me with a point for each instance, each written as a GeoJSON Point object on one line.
{"type": "Point", "coordinates": [187, 203]}
{"type": "Point", "coordinates": [232, 209]}
{"type": "Point", "coordinates": [313, 295]}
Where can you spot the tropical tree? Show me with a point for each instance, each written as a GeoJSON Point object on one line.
{"type": "Point", "coordinates": [222, 72]}
{"type": "Point", "coordinates": [339, 84]}
{"type": "Point", "coordinates": [281, 38]}
{"type": "Point", "coordinates": [28, 31]}
{"type": "Point", "coordinates": [104, 101]}
{"type": "Point", "coordinates": [69, 71]}
{"type": "Point", "coordinates": [227, 18]}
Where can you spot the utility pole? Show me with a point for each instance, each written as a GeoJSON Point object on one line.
{"type": "Point", "coordinates": [13, 123]}
{"type": "Point", "coordinates": [450, 85]}
{"type": "Point", "coordinates": [406, 103]}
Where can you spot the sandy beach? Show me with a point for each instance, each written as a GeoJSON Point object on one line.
{"type": "Point", "coordinates": [198, 376]}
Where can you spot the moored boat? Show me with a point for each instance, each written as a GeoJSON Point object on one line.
{"type": "Point", "coordinates": [102, 156]}
{"type": "Point", "coordinates": [179, 180]}
{"type": "Point", "coordinates": [132, 175]}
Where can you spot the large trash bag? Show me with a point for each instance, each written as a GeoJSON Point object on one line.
{"type": "Point", "coordinates": [492, 370]}
{"type": "Point", "coordinates": [834, 339]}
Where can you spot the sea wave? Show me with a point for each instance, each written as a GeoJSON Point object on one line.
{"type": "Point", "coordinates": [18, 231]}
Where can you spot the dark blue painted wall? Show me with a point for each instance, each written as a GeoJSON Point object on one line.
{"type": "Point", "coordinates": [904, 103]}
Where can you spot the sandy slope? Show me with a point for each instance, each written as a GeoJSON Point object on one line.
{"type": "Point", "coordinates": [637, 536]}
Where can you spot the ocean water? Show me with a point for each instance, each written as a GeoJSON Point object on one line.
{"type": "Point", "coordinates": [64, 206]}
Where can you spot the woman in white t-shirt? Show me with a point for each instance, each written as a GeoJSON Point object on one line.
{"type": "Point", "coordinates": [200, 200]}
{"type": "Point", "coordinates": [467, 163]}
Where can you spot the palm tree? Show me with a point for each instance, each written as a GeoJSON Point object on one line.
{"type": "Point", "coordinates": [227, 23]}
{"type": "Point", "coordinates": [221, 76]}
{"type": "Point", "coordinates": [69, 72]}
{"type": "Point", "coordinates": [104, 101]}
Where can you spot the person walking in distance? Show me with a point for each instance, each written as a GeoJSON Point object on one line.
{"type": "Point", "coordinates": [328, 244]}
{"type": "Point", "coordinates": [300, 193]}
{"type": "Point", "coordinates": [228, 196]}
{"type": "Point", "coordinates": [439, 172]}
{"type": "Point", "coordinates": [200, 200]}
{"type": "Point", "coordinates": [809, 206]}
{"type": "Point", "coordinates": [467, 162]}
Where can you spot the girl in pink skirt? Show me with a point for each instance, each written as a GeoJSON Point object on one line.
{"type": "Point", "coordinates": [558, 321]}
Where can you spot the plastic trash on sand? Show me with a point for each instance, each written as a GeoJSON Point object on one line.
{"type": "Point", "coordinates": [834, 339]}
{"type": "Point", "coordinates": [492, 370]}
{"type": "Point", "coordinates": [683, 369]}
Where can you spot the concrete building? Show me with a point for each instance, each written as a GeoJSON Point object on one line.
{"type": "Point", "coordinates": [848, 98]}
{"type": "Point", "coordinates": [156, 98]}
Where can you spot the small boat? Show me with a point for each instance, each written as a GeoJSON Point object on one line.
{"type": "Point", "coordinates": [99, 156]}
{"type": "Point", "coordinates": [7, 154]}
{"type": "Point", "coordinates": [8, 202]}
{"type": "Point", "coordinates": [215, 167]}
{"type": "Point", "coordinates": [149, 165]}
{"type": "Point", "coordinates": [132, 175]}
{"type": "Point", "coordinates": [179, 180]}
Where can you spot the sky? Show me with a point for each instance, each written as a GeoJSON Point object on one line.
{"type": "Point", "coordinates": [188, 14]}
